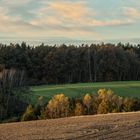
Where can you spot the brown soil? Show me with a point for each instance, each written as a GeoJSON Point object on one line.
{"type": "Point", "coordinates": [122, 126]}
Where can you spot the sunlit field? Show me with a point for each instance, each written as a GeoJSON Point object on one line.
{"type": "Point", "coordinates": [124, 89]}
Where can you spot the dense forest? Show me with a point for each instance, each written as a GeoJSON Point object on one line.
{"type": "Point", "coordinates": [70, 64]}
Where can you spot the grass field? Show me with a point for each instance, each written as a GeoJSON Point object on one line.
{"type": "Point", "coordinates": [125, 89]}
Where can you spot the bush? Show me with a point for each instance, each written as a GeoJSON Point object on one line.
{"type": "Point", "coordinates": [58, 106]}
{"type": "Point", "coordinates": [87, 103]}
{"type": "Point", "coordinates": [128, 105]}
{"type": "Point", "coordinates": [29, 114]}
{"type": "Point", "coordinates": [61, 106]}
{"type": "Point", "coordinates": [78, 109]}
{"type": "Point", "coordinates": [104, 107]}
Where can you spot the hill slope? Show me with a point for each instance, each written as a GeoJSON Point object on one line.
{"type": "Point", "coordinates": [111, 126]}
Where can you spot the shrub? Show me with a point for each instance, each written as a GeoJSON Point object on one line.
{"type": "Point", "coordinates": [87, 102]}
{"type": "Point", "coordinates": [128, 105]}
{"type": "Point", "coordinates": [61, 106]}
{"type": "Point", "coordinates": [58, 106]}
{"type": "Point", "coordinates": [29, 114]}
{"type": "Point", "coordinates": [78, 109]}
{"type": "Point", "coordinates": [104, 107]}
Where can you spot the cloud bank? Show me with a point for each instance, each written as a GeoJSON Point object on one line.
{"type": "Point", "coordinates": [71, 19]}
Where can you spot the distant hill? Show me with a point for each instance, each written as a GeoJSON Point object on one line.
{"type": "Point", "coordinates": [121, 126]}
{"type": "Point", "coordinates": [63, 40]}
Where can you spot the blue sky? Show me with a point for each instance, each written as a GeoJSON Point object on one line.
{"type": "Point", "coordinates": [62, 21]}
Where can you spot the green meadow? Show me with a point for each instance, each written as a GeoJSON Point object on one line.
{"type": "Point", "coordinates": [124, 89]}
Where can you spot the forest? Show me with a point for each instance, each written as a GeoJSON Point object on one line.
{"type": "Point", "coordinates": [23, 66]}
{"type": "Point", "coordinates": [60, 64]}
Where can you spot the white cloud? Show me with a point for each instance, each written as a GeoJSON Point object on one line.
{"type": "Point", "coordinates": [13, 25]}
{"type": "Point", "coordinates": [131, 12]}
{"type": "Point", "coordinates": [72, 14]}
{"type": "Point", "coordinates": [55, 18]}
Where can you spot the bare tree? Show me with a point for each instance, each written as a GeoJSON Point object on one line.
{"type": "Point", "coordinates": [11, 82]}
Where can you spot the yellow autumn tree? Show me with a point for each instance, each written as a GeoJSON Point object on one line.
{"type": "Point", "coordinates": [29, 114]}
{"type": "Point", "coordinates": [128, 104]}
{"type": "Point", "coordinates": [117, 103]}
{"type": "Point", "coordinates": [87, 102]}
{"type": "Point", "coordinates": [109, 92]}
{"type": "Point", "coordinates": [106, 105]}
{"type": "Point", "coordinates": [58, 106]}
{"type": "Point", "coordinates": [78, 109]}
{"type": "Point", "coordinates": [102, 93]}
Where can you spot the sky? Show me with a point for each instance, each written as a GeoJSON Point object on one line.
{"type": "Point", "coordinates": [69, 21]}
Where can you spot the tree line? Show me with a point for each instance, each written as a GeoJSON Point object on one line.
{"type": "Point", "coordinates": [13, 92]}
{"type": "Point", "coordinates": [105, 101]}
{"type": "Point", "coordinates": [46, 64]}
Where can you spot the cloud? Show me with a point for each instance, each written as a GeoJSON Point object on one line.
{"type": "Point", "coordinates": [14, 3]}
{"type": "Point", "coordinates": [131, 12]}
{"type": "Point", "coordinates": [61, 12]}
{"type": "Point", "coordinates": [70, 13]}
{"type": "Point", "coordinates": [69, 10]}
{"type": "Point", "coordinates": [54, 18]}
{"type": "Point", "coordinates": [14, 25]}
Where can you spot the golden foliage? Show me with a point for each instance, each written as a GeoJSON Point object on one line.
{"type": "Point", "coordinates": [102, 93]}
{"type": "Point", "coordinates": [29, 114]}
{"type": "Point", "coordinates": [58, 106]}
{"type": "Point", "coordinates": [87, 100]}
{"type": "Point", "coordinates": [78, 109]}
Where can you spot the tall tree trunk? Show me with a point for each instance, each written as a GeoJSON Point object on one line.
{"type": "Point", "coordinates": [95, 66]}
{"type": "Point", "coordinates": [89, 65]}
